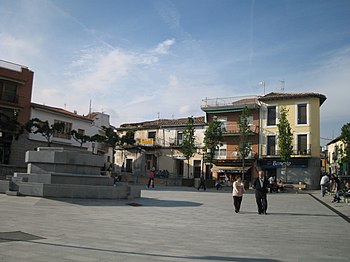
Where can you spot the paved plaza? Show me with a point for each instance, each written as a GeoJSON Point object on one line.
{"type": "Point", "coordinates": [175, 224]}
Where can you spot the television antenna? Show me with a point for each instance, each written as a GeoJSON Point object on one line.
{"type": "Point", "coordinates": [283, 84]}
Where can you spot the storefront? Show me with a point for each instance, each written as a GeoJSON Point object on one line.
{"type": "Point", "coordinates": [296, 167]}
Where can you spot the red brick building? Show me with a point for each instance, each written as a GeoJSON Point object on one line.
{"type": "Point", "coordinates": [16, 84]}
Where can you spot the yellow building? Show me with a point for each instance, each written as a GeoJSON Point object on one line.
{"type": "Point", "coordinates": [304, 119]}
{"type": "Point", "coordinates": [335, 151]}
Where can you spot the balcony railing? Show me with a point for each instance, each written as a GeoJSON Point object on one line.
{"type": "Point", "coordinates": [232, 102]}
{"type": "Point", "coordinates": [234, 155]}
{"type": "Point", "coordinates": [295, 152]}
{"type": "Point", "coordinates": [233, 129]}
{"type": "Point", "coordinates": [10, 99]}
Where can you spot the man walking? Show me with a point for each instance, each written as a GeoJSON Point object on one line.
{"type": "Point", "coordinates": [202, 183]}
{"type": "Point", "coordinates": [260, 185]}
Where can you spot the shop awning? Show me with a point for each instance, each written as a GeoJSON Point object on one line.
{"type": "Point", "coordinates": [230, 169]}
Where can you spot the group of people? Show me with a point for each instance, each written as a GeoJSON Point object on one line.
{"type": "Point", "coordinates": [260, 184]}
{"type": "Point", "coordinates": [274, 185]}
{"type": "Point", "coordinates": [333, 184]}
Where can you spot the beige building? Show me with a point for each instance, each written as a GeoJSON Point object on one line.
{"type": "Point", "coordinates": [158, 145]}
{"type": "Point", "coordinates": [335, 151]}
{"type": "Point", "coordinates": [304, 118]}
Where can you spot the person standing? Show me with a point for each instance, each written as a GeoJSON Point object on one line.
{"type": "Point", "coordinates": [324, 183]}
{"type": "Point", "coordinates": [260, 185]}
{"type": "Point", "coordinates": [151, 178]}
{"type": "Point", "coordinates": [237, 193]}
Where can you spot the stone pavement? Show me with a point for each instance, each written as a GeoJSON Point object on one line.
{"type": "Point", "coordinates": [174, 224]}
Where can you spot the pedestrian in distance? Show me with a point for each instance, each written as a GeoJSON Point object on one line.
{"type": "Point", "coordinates": [151, 178]}
{"type": "Point", "coordinates": [260, 185]}
{"type": "Point", "coordinates": [202, 183]}
{"type": "Point", "coordinates": [324, 183]}
{"type": "Point", "coordinates": [237, 193]}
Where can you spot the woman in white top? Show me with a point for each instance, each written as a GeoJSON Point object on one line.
{"type": "Point", "coordinates": [237, 193]}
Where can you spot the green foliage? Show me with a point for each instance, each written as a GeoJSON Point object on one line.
{"type": "Point", "coordinates": [212, 139]}
{"type": "Point", "coordinates": [10, 127]}
{"type": "Point", "coordinates": [128, 138]}
{"type": "Point", "coordinates": [244, 147]}
{"type": "Point", "coordinates": [188, 147]}
{"type": "Point", "coordinates": [36, 126]}
{"type": "Point", "coordinates": [81, 139]}
{"type": "Point", "coordinates": [285, 136]}
{"type": "Point", "coordinates": [345, 137]}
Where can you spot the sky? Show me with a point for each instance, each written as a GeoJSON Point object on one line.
{"type": "Point", "coordinates": [140, 60]}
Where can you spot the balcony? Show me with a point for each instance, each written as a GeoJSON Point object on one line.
{"type": "Point", "coordinates": [234, 155]}
{"type": "Point", "coordinates": [306, 152]}
{"type": "Point", "coordinates": [233, 129]}
{"type": "Point", "coordinates": [238, 102]}
{"type": "Point", "coordinates": [9, 99]}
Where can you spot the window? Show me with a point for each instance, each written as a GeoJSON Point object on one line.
{"type": "Point", "coordinates": [302, 114]}
{"type": "Point", "coordinates": [65, 133]}
{"type": "Point", "coordinates": [220, 153]}
{"type": "Point", "coordinates": [302, 144]}
{"type": "Point", "coordinates": [8, 91]}
{"type": "Point", "coordinates": [271, 145]}
{"type": "Point", "coordinates": [81, 131]}
{"type": "Point", "coordinates": [271, 115]}
{"type": "Point", "coordinates": [152, 134]}
{"type": "Point", "coordinates": [223, 120]}
{"type": "Point", "coordinates": [179, 138]}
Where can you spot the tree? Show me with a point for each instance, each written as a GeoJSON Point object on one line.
{"type": "Point", "coordinates": [244, 147]}
{"type": "Point", "coordinates": [110, 138]}
{"type": "Point", "coordinates": [285, 138]}
{"type": "Point", "coordinates": [128, 138]}
{"type": "Point", "coordinates": [212, 140]}
{"type": "Point", "coordinates": [80, 138]}
{"type": "Point", "coordinates": [345, 137]}
{"type": "Point", "coordinates": [188, 147]}
{"type": "Point", "coordinates": [10, 127]}
{"type": "Point", "coordinates": [36, 125]}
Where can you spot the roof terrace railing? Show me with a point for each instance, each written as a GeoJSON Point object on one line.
{"type": "Point", "coordinates": [11, 66]}
{"type": "Point", "coordinates": [236, 102]}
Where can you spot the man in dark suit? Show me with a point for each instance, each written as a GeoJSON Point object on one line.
{"type": "Point", "coordinates": [260, 185]}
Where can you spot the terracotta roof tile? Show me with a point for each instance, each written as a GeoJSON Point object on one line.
{"type": "Point", "coordinates": [60, 111]}
{"type": "Point", "coordinates": [163, 122]}
{"type": "Point", "coordinates": [283, 96]}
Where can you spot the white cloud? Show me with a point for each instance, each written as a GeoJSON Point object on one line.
{"type": "Point", "coordinates": [163, 47]}
{"type": "Point", "coordinates": [16, 48]}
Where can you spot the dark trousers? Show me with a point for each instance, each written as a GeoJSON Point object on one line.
{"type": "Point", "coordinates": [202, 184]}
{"type": "Point", "coordinates": [237, 200]}
{"type": "Point", "coordinates": [150, 181]}
{"type": "Point", "coordinates": [261, 201]}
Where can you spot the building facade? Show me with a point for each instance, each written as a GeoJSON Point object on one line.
{"type": "Point", "coordinates": [89, 125]}
{"type": "Point", "coordinates": [335, 154]}
{"type": "Point", "coordinates": [227, 160]}
{"type": "Point", "coordinates": [304, 119]}
{"type": "Point", "coordinates": [16, 83]}
{"type": "Point", "coordinates": [158, 145]}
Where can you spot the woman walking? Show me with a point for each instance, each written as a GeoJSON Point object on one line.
{"type": "Point", "coordinates": [237, 193]}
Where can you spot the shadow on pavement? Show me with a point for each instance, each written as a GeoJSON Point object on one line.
{"type": "Point", "coordinates": [140, 202]}
{"type": "Point", "coordinates": [150, 255]}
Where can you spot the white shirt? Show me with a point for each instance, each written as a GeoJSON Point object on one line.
{"type": "Point", "coordinates": [324, 180]}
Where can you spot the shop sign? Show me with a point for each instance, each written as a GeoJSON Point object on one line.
{"type": "Point", "coordinates": [147, 142]}
{"type": "Point", "coordinates": [278, 163]}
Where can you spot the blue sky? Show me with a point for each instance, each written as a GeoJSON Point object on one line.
{"type": "Point", "coordinates": [137, 59]}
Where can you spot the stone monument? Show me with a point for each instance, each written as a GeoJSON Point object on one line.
{"type": "Point", "coordinates": [58, 172]}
